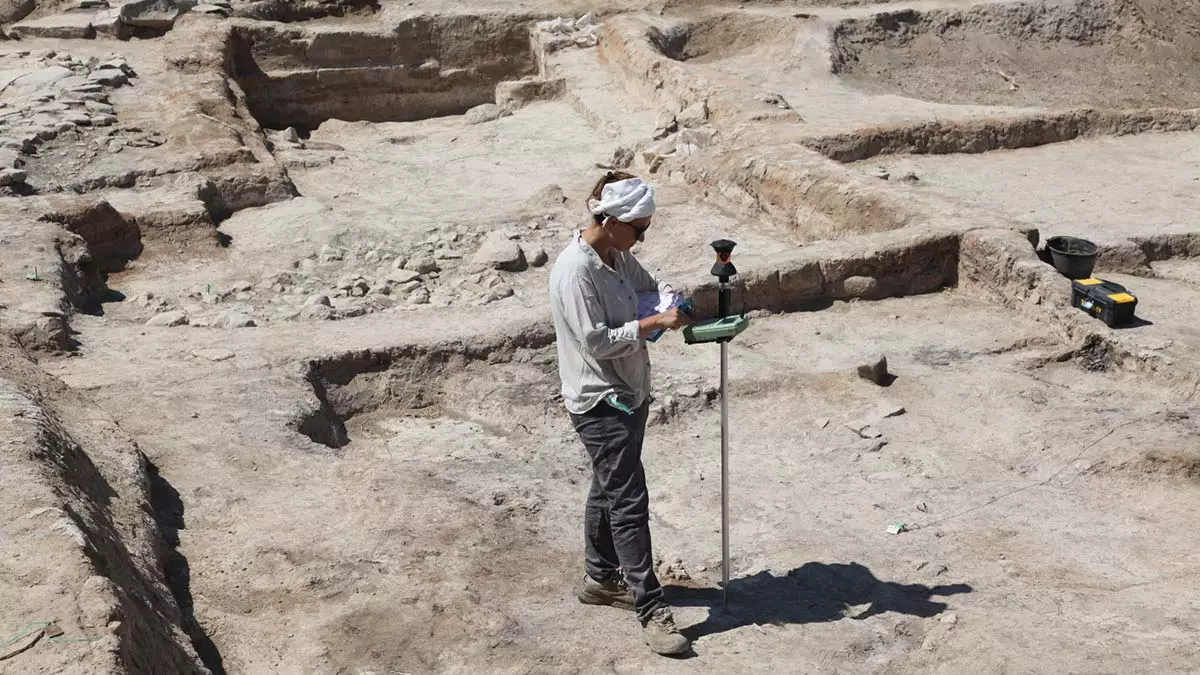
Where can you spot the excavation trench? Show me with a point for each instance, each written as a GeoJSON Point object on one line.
{"type": "Point", "coordinates": [497, 381]}
{"type": "Point", "coordinates": [1094, 53]}
{"type": "Point", "coordinates": [425, 67]}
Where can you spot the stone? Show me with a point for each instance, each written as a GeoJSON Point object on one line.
{"type": "Point", "coordinates": [694, 115]}
{"type": "Point", "coordinates": [859, 287]}
{"type": "Point", "coordinates": [949, 619]}
{"type": "Point", "coordinates": [399, 262]}
{"type": "Point", "coordinates": [169, 319]}
{"type": "Point", "coordinates": [45, 76]}
{"type": "Point", "coordinates": [205, 8]}
{"type": "Point", "coordinates": [775, 99]}
{"type": "Point", "coordinates": [501, 253]}
{"type": "Point", "coordinates": [419, 297]}
{"type": "Point", "coordinates": [155, 14]}
{"type": "Point", "coordinates": [213, 354]}
{"type": "Point", "coordinates": [701, 137]}
{"type": "Point", "coordinates": [424, 264]}
{"type": "Point", "coordinates": [880, 173]}
{"type": "Point", "coordinates": [487, 112]}
{"type": "Point", "coordinates": [12, 176]}
{"type": "Point", "coordinates": [547, 198]}
{"type": "Point", "coordinates": [539, 257]}
{"type": "Point", "coordinates": [402, 276]}
{"type": "Point", "coordinates": [234, 319]}
{"type": "Point", "coordinates": [75, 25]}
{"type": "Point", "coordinates": [889, 410]}
{"type": "Point", "coordinates": [317, 312]}
{"type": "Point", "coordinates": [330, 254]}
{"type": "Point", "coordinates": [98, 107]}
{"type": "Point", "coordinates": [875, 370]}
{"type": "Point", "coordinates": [665, 125]}
{"type": "Point", "coordinates": [909, 177]}
{"type": "Point", "coordinates": [518, 93]}
{"type": "Point", "coordinates": [110, 77]}
{"type": "Point", "coordinates": [108, 22]}
{"type": "Point", "coordinates": [589, 19]}
{"type": "Point", "coordinates": [317, 299]}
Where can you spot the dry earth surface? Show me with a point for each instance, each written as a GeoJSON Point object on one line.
{"type": "Point", "coordinates": [278, 391]}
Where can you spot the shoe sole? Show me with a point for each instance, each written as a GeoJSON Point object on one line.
{"type": "Point", "coordinates": [604, 602]}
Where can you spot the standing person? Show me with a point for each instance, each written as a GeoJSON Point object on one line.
{"type": "Point", "coordinates": [605, 370]}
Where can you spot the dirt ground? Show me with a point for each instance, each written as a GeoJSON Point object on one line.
{"type": "Point", "coordinates": [311, 422]}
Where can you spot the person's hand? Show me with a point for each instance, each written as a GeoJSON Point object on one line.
{"type": "Point", "coordinates": [673, 319]}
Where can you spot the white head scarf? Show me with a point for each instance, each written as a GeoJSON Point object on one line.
{"type": "Point", "coordinates": [625, 200]}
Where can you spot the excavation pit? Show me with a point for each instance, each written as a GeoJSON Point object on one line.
{"type": "Point", "coordinates": [425, 67]}
{"type": "Point", "coordinates": [1093, 53]}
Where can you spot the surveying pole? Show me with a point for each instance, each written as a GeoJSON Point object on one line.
{"type": "Point", "coordinates": [721, 330]}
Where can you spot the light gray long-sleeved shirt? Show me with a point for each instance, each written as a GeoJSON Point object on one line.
{"type": "Point", "coordinates": [596, 326]}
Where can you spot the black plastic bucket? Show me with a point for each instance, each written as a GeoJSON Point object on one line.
{"type": "Point", "coordinates": [1074, 258]}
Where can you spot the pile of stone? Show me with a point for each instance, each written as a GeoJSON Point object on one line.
{"type": "Point", "coordinates": [557, 34]}
{"type": "Point", "coordinates": [339, 282]}
{"type": "Point", "coordinates": [53, 93]}
{"type": "Point", "coordinates": [88, 19]}
{"type": "Point", "coordinates": [676, 135]}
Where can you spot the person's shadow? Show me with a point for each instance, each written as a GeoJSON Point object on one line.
{"type": "Point", "coordinates": [814, 592]}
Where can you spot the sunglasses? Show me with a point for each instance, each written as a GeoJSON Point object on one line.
{"type": "Point", "coordinates": [640, 231]}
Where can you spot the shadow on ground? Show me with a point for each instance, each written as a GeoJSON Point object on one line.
{"type": "Point", "coordinates": [814, 592]}
{"type": "Point", "coordinates": [168, 513]}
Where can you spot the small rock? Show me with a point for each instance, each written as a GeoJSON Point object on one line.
{"type": "Point", "coordinates": [12, 176]}
{"type": "Point", "coordinates": [234, 319]}
{"type": "Point", "coordinates": [876, 446]}
{"type": "Point", "coordinates": [888, 410]}
{"type": "Point", "coordinates": [398, 263]}
{"type": "Point", "coordinates": [169, 319]}
{"type": "Point", "coordinates": [316, 312]}
{"type": "Point", "coordinates": [487, 112]}
{"type": "Point", "coordinates": [402, 276]}
{"type": "Point", "coordinates": [949, 619]}
{"type": "Point", "coordinates": [111, 77]}
{"type": "Point", "coordinates": [213, 354]}
{"type": "Point", "coordinates": [875, 370]}
{"type": "Point", "coordinates": [859, 287]}
{"type": "Point", "coordinates": [694, 115]}
{"type": "Point", "coordinates": [424, 264]}
{"type": "Point", "coordinates": [501, 253]}
{"type": "Point", "coordinates": [909, 177]}
{"type": "Point", "coordinates": [539, 257]}
{"type": "Point", "coordinates": [822, 422]}
{"type": "Point", "coordinates": [330, 254]}
{"type": "Point", "coordinates": [880, 173]}
{"type": "Point", "coordinates": [665, 125]}
{"type": "Point", "coordinates": [688, 391]}
{"type": "Point", "coordinates": [419, 297]}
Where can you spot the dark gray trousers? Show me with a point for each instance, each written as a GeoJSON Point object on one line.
{"type": "Point", "coordinates": [617, 517]}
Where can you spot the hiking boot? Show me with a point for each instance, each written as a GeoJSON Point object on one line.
{"type": "Point", "coordinates": [661, 635]}
{"type": "Point", "coordinates": [614, 592]}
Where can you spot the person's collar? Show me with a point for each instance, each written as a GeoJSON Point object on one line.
{"type": "Point", "coordinates": [593, 257]}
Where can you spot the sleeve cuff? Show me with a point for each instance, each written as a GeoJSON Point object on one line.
{"type": "Point", "coordinates": [629, 332]}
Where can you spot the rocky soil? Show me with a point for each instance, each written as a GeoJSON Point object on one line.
{"type": "Point", "coordinates": [277, 383]}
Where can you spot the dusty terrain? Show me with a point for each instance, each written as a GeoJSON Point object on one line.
{"type": "Point", "coordinates": [277, 384]}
